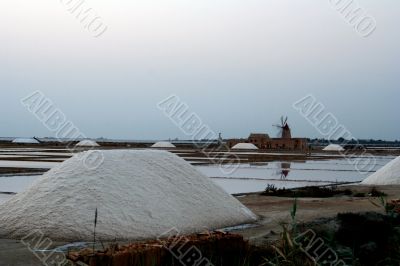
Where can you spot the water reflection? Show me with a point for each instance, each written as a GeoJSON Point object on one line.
{"type": "Point", "coordinates": [285, 170]}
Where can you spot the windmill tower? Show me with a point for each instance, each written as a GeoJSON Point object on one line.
{"type": "Point", "coordinates": [284, 129]}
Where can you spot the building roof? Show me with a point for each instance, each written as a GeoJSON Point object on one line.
{"type": "Point", "coordinates": [259, 135]}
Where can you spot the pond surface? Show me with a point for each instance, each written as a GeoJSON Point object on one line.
{"type": "Point", "coordinates": [14, 184]}
{"type": "Point", "coordinates": [27, 164]}
{"type": "Point", "coordinates": [244, 178]}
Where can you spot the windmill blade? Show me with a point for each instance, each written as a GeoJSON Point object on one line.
{"type": "Point", "coordinates": [280, 131]}
{"type": "Point", "coordinates": [286, 119]}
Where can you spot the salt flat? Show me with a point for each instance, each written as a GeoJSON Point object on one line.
{"type": "Point", "coordinates": [27, 164]}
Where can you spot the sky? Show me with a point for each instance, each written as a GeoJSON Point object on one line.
{"type": "Point", "coordinates": [238, 65]}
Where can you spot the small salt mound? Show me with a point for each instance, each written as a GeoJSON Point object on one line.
{"type": "Point", "coordinates": [333, 147]}
{"type": "Point", "coordinates": [163, 144]}
{"type": "Point", "coordinates": [87, 143]}
{"type": "Point", "coordinates": [244, 146]}
{"type": "Point", "coordinates": [139, 195]}
{"type": "Point", "coordinates": [27, 141]}
{"type": "Point", "coordinates": [387, 175]}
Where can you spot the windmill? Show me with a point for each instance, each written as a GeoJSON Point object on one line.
{"type": "Point", "coordinates": [284, 129]}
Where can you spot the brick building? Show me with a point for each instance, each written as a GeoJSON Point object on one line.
{"type": "Point", "coordinates": [263, 141]}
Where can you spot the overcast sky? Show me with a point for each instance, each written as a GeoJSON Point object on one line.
{"type": "Point", "coordinates": [239, 65]}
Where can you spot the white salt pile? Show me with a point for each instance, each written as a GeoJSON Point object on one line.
{"type": "Point", "coordinates": [87, 143]}
{"type": "Point", "coordinates": [387, 175]}
{"type": "Point", "coordinates": [139, 195]}
{"type": "Point", "coordinates": [244, 146]}
{"type": "Point", "coordinates": [163, 144]}
{"type": "Point", "coordinates": [333, 147]}
{"type": "Point", "coordinates": [27, 141]}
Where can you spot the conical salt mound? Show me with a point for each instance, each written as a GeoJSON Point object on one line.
{"type": "Point", "coordinates": [27, 141]}
{"type": "Point", "coordinates": [87, 143]}
{"type": "Point", "coordinates": [387, 175]}
{"type": "Point", "coordinates": [138, 194]}
{"type": "Point", "coordinates": [245, 146]}
{"type": "Point", "coordinates": [333, 147]}
{"type": "Point", "coordinates": [163, 144]}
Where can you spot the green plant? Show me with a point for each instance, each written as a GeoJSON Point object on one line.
{"type": "Point", "coordinates": [294, 210]}
{"type": "Point", "coordinates": [293, 213]}
{"type": "Point", "coordinates": [270, 189]}
{"type": "Point", "coordinates": [359, 195]}
{"type": "Point", "coordinates": [305, 192]}
{"type": "Point", "coordinates": [389, 210]}
{"type": "Point", "coordinates": [94, 231]}
{"type": "Point", "coordinates": [287, 253]}
{"type": "Point", "coordinates": [376, 193]}
{"type": "Point", "coordinates": [347, 192]}
{"type": "Point", "coordinates": [371, 237]}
